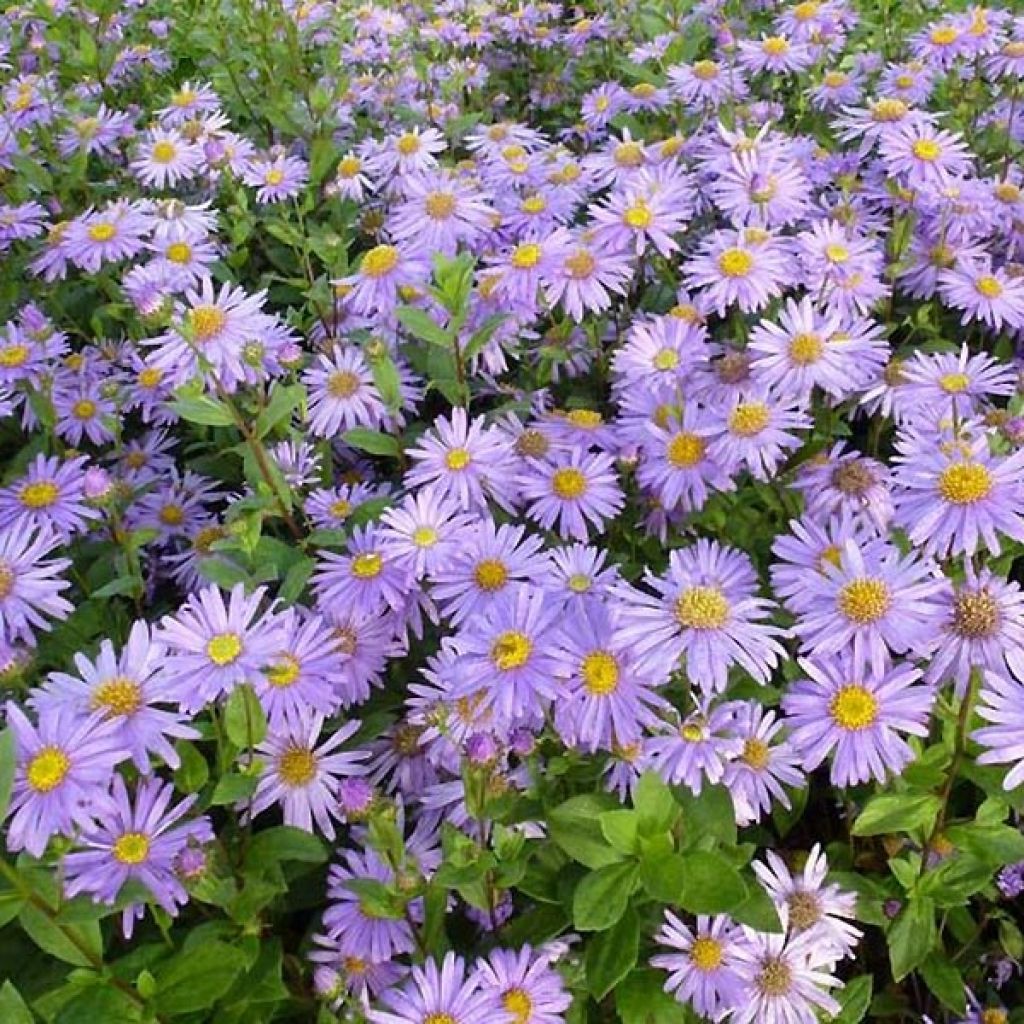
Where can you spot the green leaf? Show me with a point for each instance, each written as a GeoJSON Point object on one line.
{"type": "Point", "coordinates": [757, 910]}
{"type": "Point", "coordinates": [295, 580]}
{"type": "Point", "coordinates": [482, 335]}
{"type": "Point", "coordinates": [435, 905]}
{"type": "Point", "coordinates": [602, 896]}
{"type": "Point", "coordinates": [284, 842]}
{"type": "Point", "coordinates": [620, 829]}
{"type": "Point", "coordinates": [712, 885]}
{"type": "Point", "coordinates": [232, 787]}
{"type": "Point", "coordinates": [655, 805]}
{"type": "Point", "coordinates": [120, 585]}
{"type": "Point", "coordinates": [945, 981]}
{"type": "Point", "coordinates": [911, 936]}
{"type": "Point", "coordinates": [202, 409]}
{"type": "Point", "coordinates": [641, 999]}
{"type": "Point", "coordinates": [993, 844]}
{"type": "Point", "coordinates": [244, 719]}
{"type": "Point", "coordinates": [897, 812]}
{"type": "Point", "coordinates": [663, 877]}
{"type": "Point", "coordinates": [99, 1004]}
{"type": "Point", "coordinates": [197, 977]}
{"type": "Point", "coordinates": [8, 763]}
{"type": "Point", "coordinates": [710, 815]}
{"type": "Point", "coordinates": [193, 772]}
{"type": "Point", "coordinates": [576, 827]}
{"type": "Point", "coordinates": [611, 955]}
{"type": "Point", "coordinates": [78, 944]}
{"type": "Point", "coordinates": [372, 441]}
{"type": "Point", "coordinates": [421, 325]}
{"type": "Point", "coordinates": [376, 899]}
{"type": "Point", "coordinates": [12, 1007]}
{"type": "Point", "coordinates": [854, 998]}
{"type": "Point", "coordinates": [385, 376]}
{"type": "Point", "coordinates": [284, 400]}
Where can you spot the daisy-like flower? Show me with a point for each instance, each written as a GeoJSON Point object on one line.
{"type": "Point", "coordinates": [425, 532]}
{"type": "Point", "coordinates": [506, 655]}
{"type": "Point", "coordinates": [115, 233]}
{"type": "Point", "coordinates": [442, 995]}
{"type": "Point", "coordinates": [63, 773]}
{"type": "Point", "coordinates": [576, 490]}
{"type": "Point", "coordinates": [521, 270]}
{"type": "Point", "coordinates": [464, 459]}
{"type": "Point", "coordinates": [858, 715]}
{"type": "Point", "coordinates": [166, 157]}
{"type": "Point", "coordinates": [382, 271]}
{"type": "Point", "coordinates": [695, 750]}
{"type": "Point", "coordinates": [365, 578]}
{"type": "Point", "coordinates": [874, 603]}
{"type": "Point", "coordinates": [761, 188]}
{"type": "Point", "coordinates": [784, 979]}
{"type": "Point", "coordinates": [705, 608]}
{"type": "Point", "coordinates": [440, 211]}
{"type": "Point", "coordinates": [701, 968]}
{"type": "Point", "coordinates": [276, 178]}
{"type": "Point", "coordinates": [744, 268]}
{"type": "Point", "coordinates": [641, 215]}
{"type": "Point", "coordinates": [528, 987]}
{"type": "Point", "coordinates": [138, 840]}
{"type": "Point", "coordinates": [983, 628]}
{"type": "Point", "coordinates": [30, 583]}
{"type": "Point", "coordinates": [812, 906]}
{"type": "Point", "coordinates": [342, 394]}
{"type": "Point", "coordinates": [923, 155]}
{"type": "Point", "coordinates": [212, 647]}
{"type": "Point", "coordinates": [937, 383]}
{"type": "Point", "coordinates": [50, 496]}
{"type": "Point", "coordinates": [774, 54]}
{"type": "Point", "coordinates": [956, 496]}
{"type": "Point", "coordinates": [984, 293]}
{"type": "Point", "coordinates": [587, 276]}
{"type": "Point", "coordinates": [124, 687]}
{"type": "Point", "coordinates": [303, 776]}
{"type": "Point", "coordinates": [1001, 703]}
{"type": "Point", "coordinates": [846, 484]}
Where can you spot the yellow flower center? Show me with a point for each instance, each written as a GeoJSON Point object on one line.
{"type": "Point", "coordinates": [954, 383]}
{"type": "Point", "coordinates": [804, 910]}
{"type": "Point", "coordinates": [600, 673]}
{"type": "Point", "coordinates": [775, 978]}
{"type": "Point", "coordinates": [995, 1016]}
{"type": "Point", "coordinates": [853, 708]}
{"type": "Point", "coordinates": [102, 232]}
{"type": "Point", "coordinates": [342, 384]}
{"type": "Point", "coordinates": [735, 262]}
{"type": "Point", "coordinates": [964, 483]}
{"type": "Point", "coordinates": [585, 419]}
{"type": "Point", "coordinates": [805, 349]}
{"type": "Point", "coordinates": [7, 580]}
{"type": "Point", "coordinates": [457, 458]}
{"type": "Point", "coordinates": [224, 648]}
{"type": "Point", "coordinates": [179, 252]}
{"type": "Point", "coordinates": [834, 79]}
{"type": "Point", "coordinates": [519, 1004]}
{"type": "Point", "coordinates": [756, 754]}
{"type": "Point", "coordinates": [118, 696]}
{"type": "Point", "coordinates": [284, 672]}
{"type": "Point", "coordinates": [83, 409]}
{"type": "Point", "coordinates": [439, 1018]}
{"type": "Point", "coordinates": [944, 35]}
{"type": "Point", "coordinates": [629, 154]}
{"type": "Point", "coordinates": [380, 260]}
{"type": "Point", "coordinates": [40, 494]}
{"type": "Point", "coordinates": [692, 732]}
{"type": "Point", "coordinates": [206, 322]}
{"type": "Point", "coordinates": [349, 166]}
{"type": "Point", "coordinates": [702, 608]}
{"type": "Point", "coordinates": [367, 565]}
{"type": "Point", "coordinates": [975, 616]}
{"type": "Point", "coordinates": [171, 515]}
{"type": "Point", "coordinates": [864, 600]}
{"type": "Point", "coordinates": [579, 583]}
{"type": "Point", "coordinates": [14, 355]}
{"type": "Point", "coordinates": [1014, 48]}
{"type": "Point", "coordinates": [274, 176]}
{"type": "Point", "coordinates": [685, 450]}
{"type": "Point", "coordinates": [638, 215]}
{"type": "Point", "coordinates": [927, 149]}
{"type": "Point", "coordinates": [184, 98]}
{"type": "Point", "coordinates": [806, 10]}
{"type": "Point", "coordinates": [163, 152]}
{"type": "Point", "coordinates": [837, 253]}
{"type": "Point", "coordinates": [526, 256]}
{"type": "Point", "coordinates": [340, 509]}
{"type": "Point", "coordinates": [439, 205]}
{"type": "Point", "coordinates": [150, 377]}
{"type": "Point", "coordinates": [296, 766]}
{"type": "Point", "coordinates": [705, 70]}
{"type": "Point", "coordinates": [47, 769]}
{"type": "Point", "coordinates": [425, 537]}
{"type": "Point", "coordinates": [490, 574]}
{"type": "Point", "coordinates": [888, 109]}
{"type": "Point", "coordinates": [775, 46]}
{"type": "Point", "coordinates": [666, 359]}
{"type": "Point", "coordinates": [706, 953]}
{"type": "Point", "coordinates": [568, 483]}
{"type": "Point", "coordinates": [132, 848]}
{"type": "Point", "coordinates": [749, 418]}
{"type": "Point", "coordinates": [580, 264]}
{"type": "Point", "coordinates": [408, 144]}
{"type": "Point", "coordinates": [511, 650]}
{"type": "Point", "coordinates": [988, 286]}
{"type": "Point", "coordinates": [533, 204]}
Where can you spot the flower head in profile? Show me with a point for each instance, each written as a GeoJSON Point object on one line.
{"type": "Point", "coordinates": [30, 582]}
{"type": "Point", "coordinates": [442, 994]}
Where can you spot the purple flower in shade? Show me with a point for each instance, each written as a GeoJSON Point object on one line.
{"type": "Point", "coordinates": [342, 394]}
{"type": "Point", "coordinates": [64, 768]}
{"type": "Point", "coordinates": [744, 268]}
{"type": "Point", "coordinates": [579, 572]}
{"type": "Point", "coordinates": [373, 289]}
{"type": "Point", "coordinates": [492, 560]}
{"type": "Point", "coordinates": [605, 701]}
{"type": "Point", "coordinates": [876, 602]}
{"type": "Point", "coordinates": [213, 647]}
{"type": "Point", "coordinates": [445, 995]}
{"type": "Point", "coordinates": [857, 715]}
{"type": "Point", "coordinates": [784, 978]}
{"type": "Point", "coordinates": [755, 431]}
{"type": "Point", "coordinates": [984, 293]}
{"type": "Point", "coordinates": [506, 654]}
{"type": "Point", "coordinates": [572, 492]}
{"type": "Point", "coordinates": [303, 777]}
{"type": "Point", "coordinates": [935, 384]}
{"type": "Point", "coordinates": [366, 578]}
{"type": "Point", "coordinates": [299, 677]}
{"type": "Point", "coordinates": [138, 841]}
{"type": "Point", "coordinates": [1010, 881]}
{"type": "Point", "coordinates": [358, 931]}
{"type": "Point", "coordinates": [953, 497]}
{"type": "Point", "coordinates": [125, 689]}
{"type": "Point", "coordinates": [30, 584]}
{"type": "Point", "coordinates": [704, 608]}
{"type": "Point", "coordinates": [983, 627]}
{"type": "Point", "coordinates": [813, 907]}
{"type": "Point", "coordinates": [696, 750]}
{"type": "Point", "coordinates": [526, 984]}
{"type": "Point", "coordinates": [50, 494]}
{"type": "Point", "coordinates": [756, 776]}
{"type": "Point", "coordinates": [1001, 703]}
{"type": "Point", "coordinates": [846, 483]}
{"type": "Point", "coordinates": [700, 967]}
{"type": "Point", "coordinates": [338, 974]}
{"type": "Point", "coordinates": [465, 460]}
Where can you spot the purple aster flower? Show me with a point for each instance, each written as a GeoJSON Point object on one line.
{"type": "Point", "coordinates": [213, 647]}
{"type": "Point", "coordinates": [858, 716]}
{"type": "Point", "coordinates": [767, 189]}
{"type": "Point", "coordinates": [49, 496]}
{"type": "Point", "coordinates": [705, 608]}
{"type": "Point", "coordinates": [276, 178]}
{"type": "Point", "coordinates": [744, 268]}
{"type": "Point", "coordinates": [30, 584]}
{"type": "Point", "coordinates": [165, 157]}
{"type": "Point", "coordinates": [695, 750]}
{"type": "Point", "coordinates": [984, 293]}
{"type": "Point", "coordinates": [923, 155]}
{"type": "Point", "coordinates": [936, 383]}
{"type": "Point", "coordinates": [579, 572]}
{"type": "Point", "coordinates": [342, 394]}
{"type": "Point", "coordinates": [646, 213]}
{"type": "Point", "coordinates": [367, 577]}
{"type": "Point", "coordinates": [303, 777]}
{"type": "Point", "coordinates": [382, 271]}
{"type": "Point", "coordinates": [115, 233]}
{"type": "Point", "coordinates": [1001, 703]}
{"type": "Point", "coordinates": [425, 532]}
{"type": "Point", "coordinates": [700, 969]}
{"type": "Point", "coordinates": [64, 768]}
{"type": "Point", "coordinates": [445, 995]}
{"type": "Point", "coordinates": [587, 277]}
{"type": "Point", "coordinates": [439, 212]}
{"type": "Point", "coordinates": [138, 841]}
{"type": "Point", "coordinates": [527, 985]}
{"type": "Point", "coordinates": [846, 484]}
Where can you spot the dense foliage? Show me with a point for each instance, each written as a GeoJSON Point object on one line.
{"type": "Point", "coordinates": [510, 512]}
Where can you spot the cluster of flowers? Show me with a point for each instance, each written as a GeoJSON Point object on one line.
{"type": "Point", "coordinates": [719, 290]}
